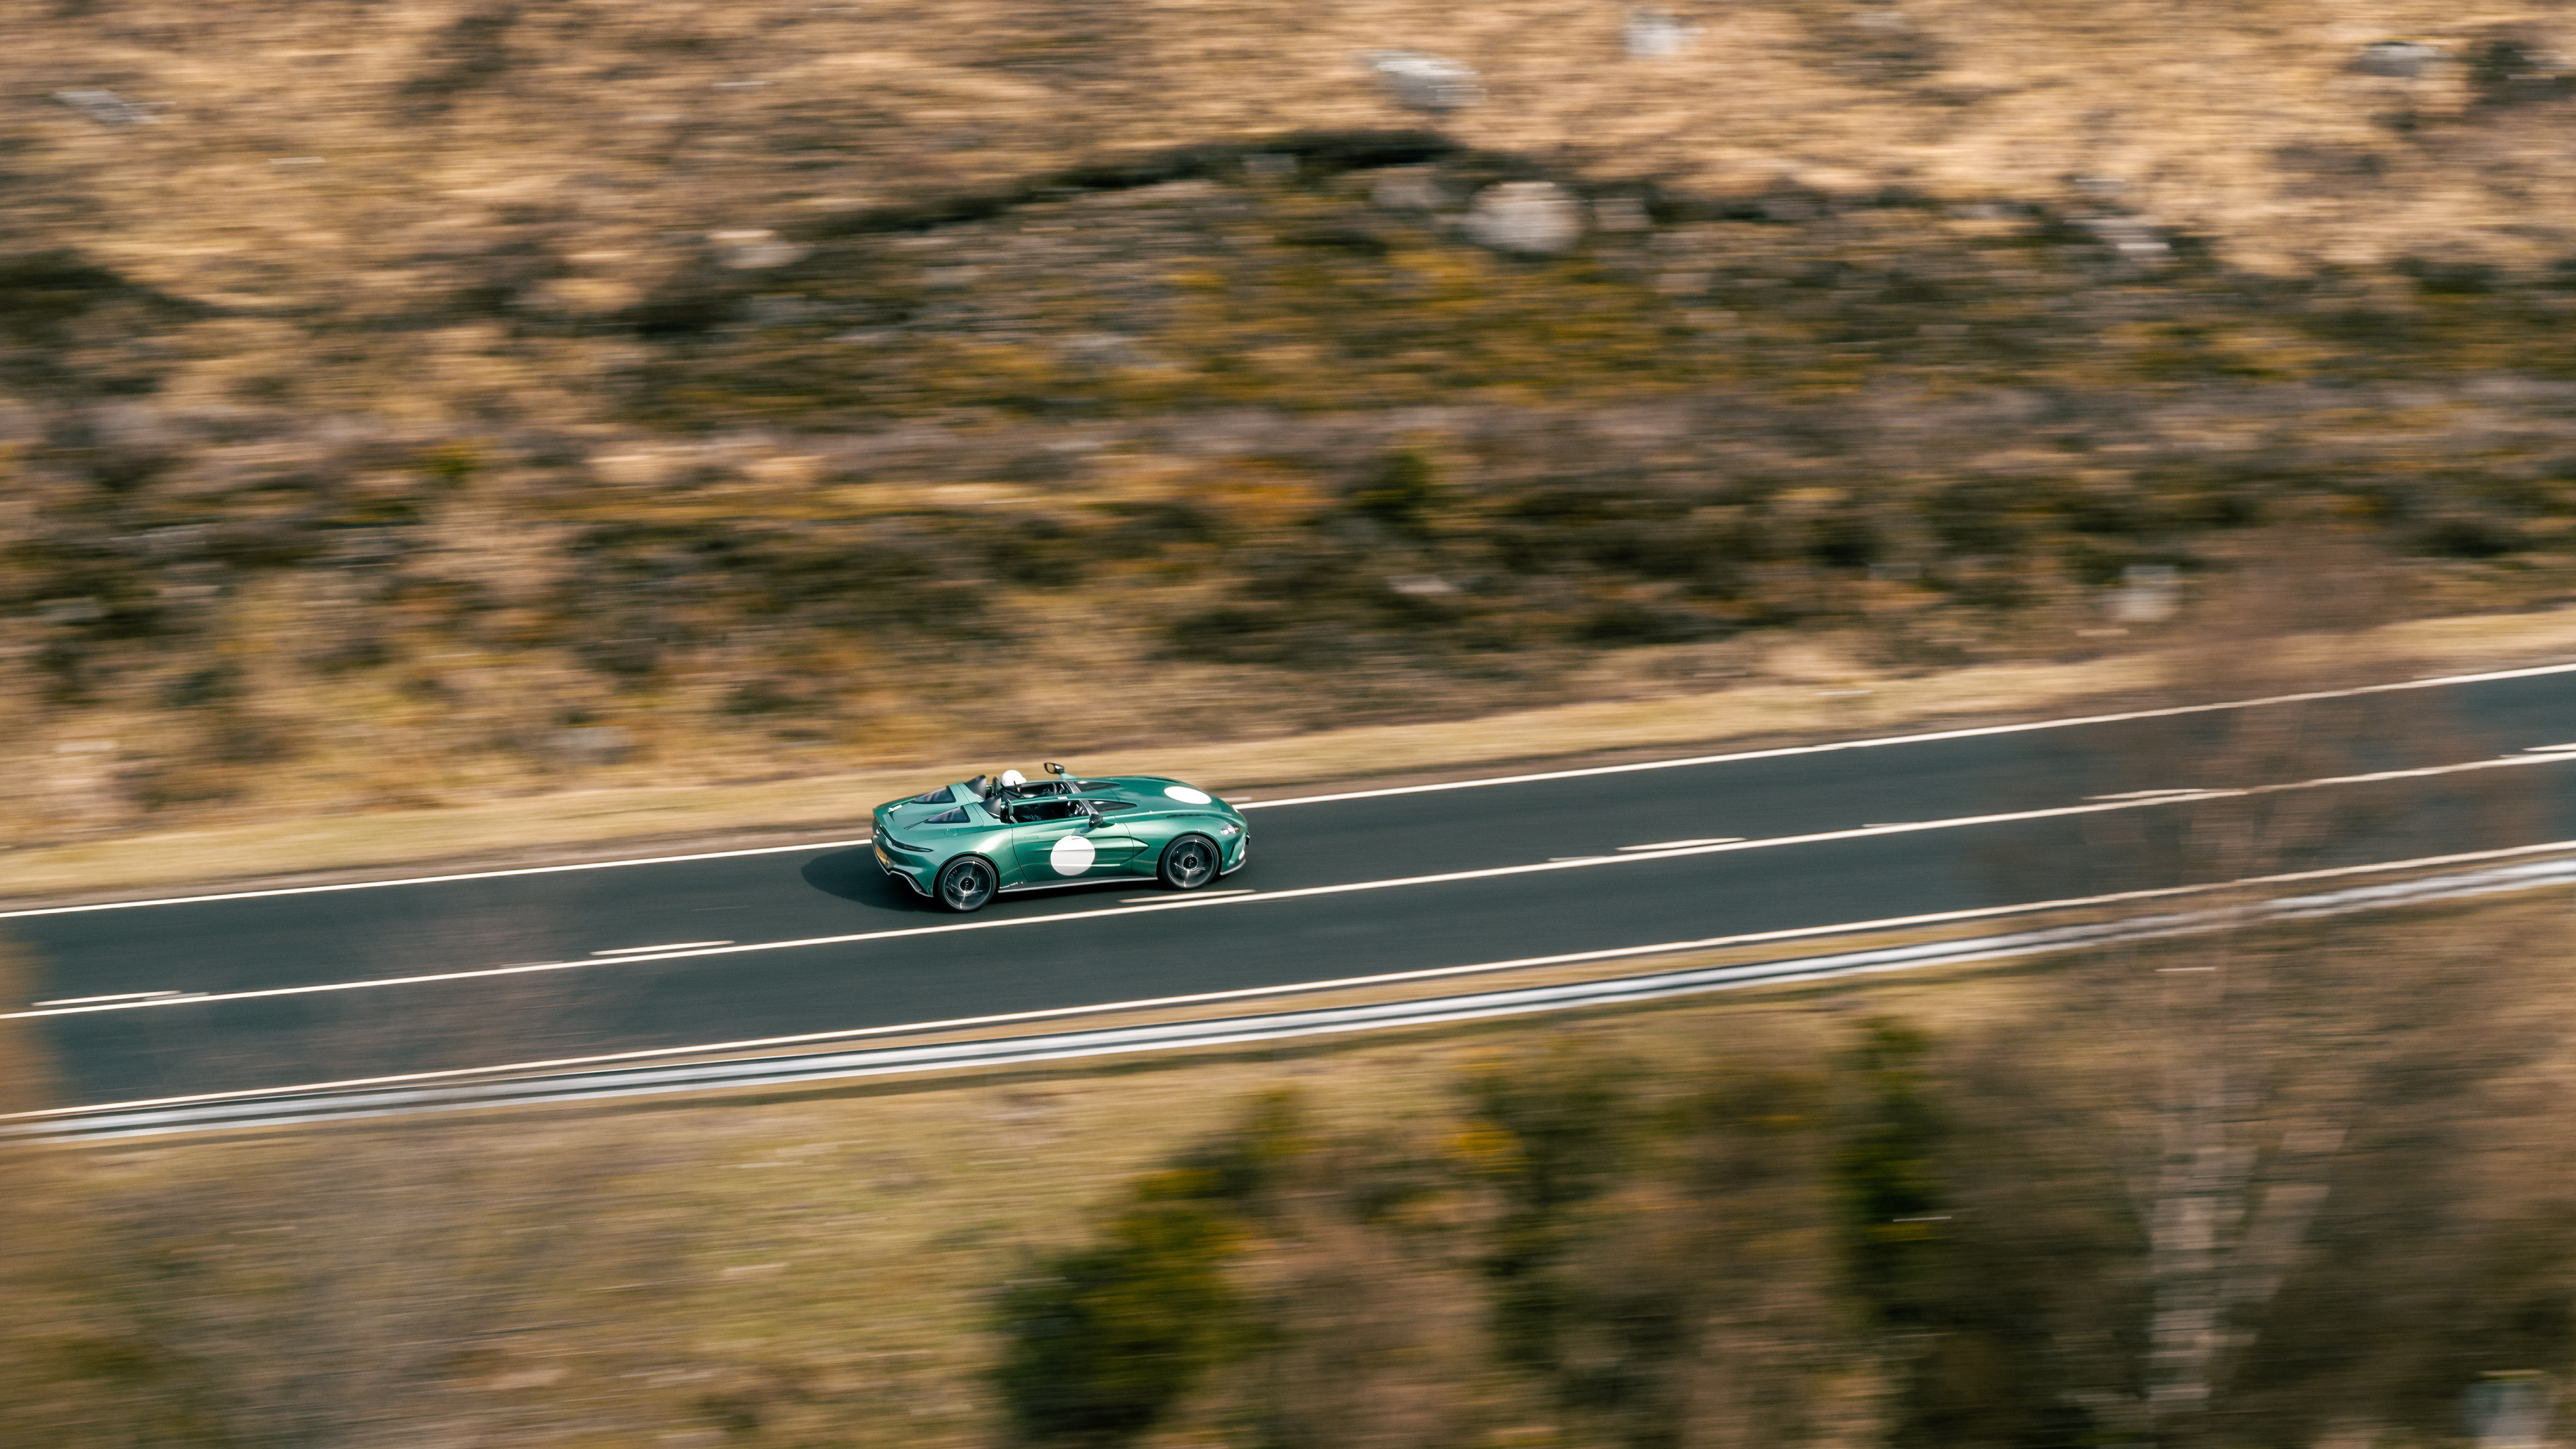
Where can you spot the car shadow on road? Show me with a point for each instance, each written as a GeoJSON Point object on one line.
{"type": "Point", "coordinates": [853, 875]}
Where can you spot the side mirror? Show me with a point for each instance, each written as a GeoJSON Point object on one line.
{"type": "Point", "coordinates": [1055, 769]}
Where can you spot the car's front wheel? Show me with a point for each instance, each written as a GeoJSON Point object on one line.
{"type": "Point", "coordinates": [967, 883]}
{"type": "Point", "coordinates": [1189, 862]}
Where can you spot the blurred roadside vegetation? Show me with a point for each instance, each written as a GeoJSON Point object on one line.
{"type": "Point", "coordinates": [403, 404]}
{"type": "Point", "coordinates": [1928, 1212]}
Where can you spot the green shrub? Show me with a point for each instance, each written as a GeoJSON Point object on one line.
{"type": "Point", "coordinates": [1109, 1338]}
{"type": "Point", "coordinates": [1104, 1346]}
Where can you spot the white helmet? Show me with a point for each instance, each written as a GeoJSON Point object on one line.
{"type": "Point", "coordinates": [1014, 777]}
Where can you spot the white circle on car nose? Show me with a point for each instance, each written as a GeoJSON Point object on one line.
{"type": "Point", "coordinates": [1185, 794]}
{"type": "Point", "coordinates": [1072, 855]}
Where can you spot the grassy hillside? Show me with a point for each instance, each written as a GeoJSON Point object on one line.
{"type": "Point", "coordinates": [410, 403]}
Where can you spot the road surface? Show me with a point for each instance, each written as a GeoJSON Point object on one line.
{"type": "Point", "coordinates": [143, 1001]}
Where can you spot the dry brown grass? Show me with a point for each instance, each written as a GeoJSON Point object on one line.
{"type": "Point", "coordinates": [884, 102]}
{"type": "Point", "coordinates": [1816, 704]}
{"type": "Point", "coordinates": [383, 416]}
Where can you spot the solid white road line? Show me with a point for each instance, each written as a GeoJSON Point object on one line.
{"type": "Point", "coordinates": [1346, 983]}
{"type": "Point", "coordinates": [111, 996]}
{"type": "Point", "coordinates": [1788, 751]}
{"type": "Point", "coordinates": [671, 946]}
{"type": "Point", "coordinates": [1685, 844]}
{"type": "Point", "coordinates": [368, 885]}
{"type": "Point", "coordinates": [1931, 737]}
{"type": "Point", "coordinates": [1256, 898]}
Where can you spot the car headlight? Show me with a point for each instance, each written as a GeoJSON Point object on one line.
{"type": "Point", "coordinates": [1229, 830]}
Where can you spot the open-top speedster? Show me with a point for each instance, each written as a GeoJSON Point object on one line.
{"type": "Point", "coordinates": [963, 844]}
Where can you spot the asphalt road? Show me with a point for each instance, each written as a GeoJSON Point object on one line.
{"type": "Point", "coordinates": [545, 965]}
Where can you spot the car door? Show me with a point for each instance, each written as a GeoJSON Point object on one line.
{"type": "Point", "coordinates": [1057, 840]}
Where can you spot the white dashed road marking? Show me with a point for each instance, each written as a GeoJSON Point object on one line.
{"type": "Point", "coordinates": [1592, 862]}
{"type": "Point", "coordinates": [1931, 737]}
{"type": "Point", "coordinates": [1433, 973]}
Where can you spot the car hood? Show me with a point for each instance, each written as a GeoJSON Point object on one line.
{"type": "Point", "coordinates": [1156, 792]}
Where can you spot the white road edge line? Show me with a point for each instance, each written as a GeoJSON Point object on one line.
{"type": "Point", "coordinates": [368, 885]}
{"type": "Point", "coordinates": [111, 996]}
{"type": "Point", "coordinates": [1931, 737]}
{"type": "Point", "coordinates": [2389, 894]}
{"type": "Point", "coordinates": [668, 946]}
{"type": "Point", "coordinates": [1586, 862]}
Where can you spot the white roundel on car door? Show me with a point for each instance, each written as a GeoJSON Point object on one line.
{"type": "Point", "coordinates": [1186, 795]}
{"type": "Point", "coordinates": [1072, 855]}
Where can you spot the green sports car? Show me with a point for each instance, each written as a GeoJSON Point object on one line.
{"type": "Point", "coordinates": [963, 844]}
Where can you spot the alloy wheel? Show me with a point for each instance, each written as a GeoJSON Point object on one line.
{"type": "Point", "coordinates": [1190, 863]}
{"type": "Point", "coordinates": [966, 885]}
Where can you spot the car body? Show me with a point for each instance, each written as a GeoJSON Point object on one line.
{"type": "Point", "coordinates": [962, 844]}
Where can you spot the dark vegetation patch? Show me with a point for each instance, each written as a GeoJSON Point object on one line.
{"type": "Point", "coordinates": [1588, 1243]}
{"type": "Point", "coordinates": [1262, 406]}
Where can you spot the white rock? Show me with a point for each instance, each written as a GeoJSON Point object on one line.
{"type": "Point", "coordinates": [1536, 218]}
{"type": "Point", "coordinates": [2397, 59]}
{"type": "Point", "coordinates": [749, 250]}
{"type": "Point", "coordinates": [1425, 82]}
{"type": "Point", "coordinates": [2148, 594]}
{"type": "Point", "coordinates": [106, 107]}
{"type": "Point", "coordinates": [1657, 35]}
{"type": "Point", "coordinates": [2134, 238]}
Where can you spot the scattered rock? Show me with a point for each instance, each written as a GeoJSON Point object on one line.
{"type": "Point", "coordinates": [1536, 218]}
{"type": "Point", "coordinates": [2148, 594]}
{"type": "Point", "coordinates": [592, 744]}
{"type": "Point", "coordinates": [1421, 586]}
{"type": "Point", "coordinates": [1409, 188]}
{"type": "Point", "coordinates": [1425, 82]}
{"type": "Point", "coordinates": [2397, 59]}
{"type": "Point", "coordinates": [2134, 238]}
{"type": "Point", "coordinates": [752, 249]}
{"type": "Point", "coordinates": [1657, 35]}
{"type": "Point", "coordinates": [107, 107]}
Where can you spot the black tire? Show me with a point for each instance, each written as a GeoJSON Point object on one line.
{"type": "Point", "coordinates": [966, 884]}
{"type": "Point", "coordinates": [1190, 862]}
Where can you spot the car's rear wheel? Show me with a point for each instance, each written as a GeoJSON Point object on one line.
{"type": "Point", "coordinates": [967, 883]}
{"type": "Point", "coordinates": [1189, 862]}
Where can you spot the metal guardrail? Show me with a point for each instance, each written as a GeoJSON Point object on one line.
{"type": "Point", "coordinates": [277, 1109]}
